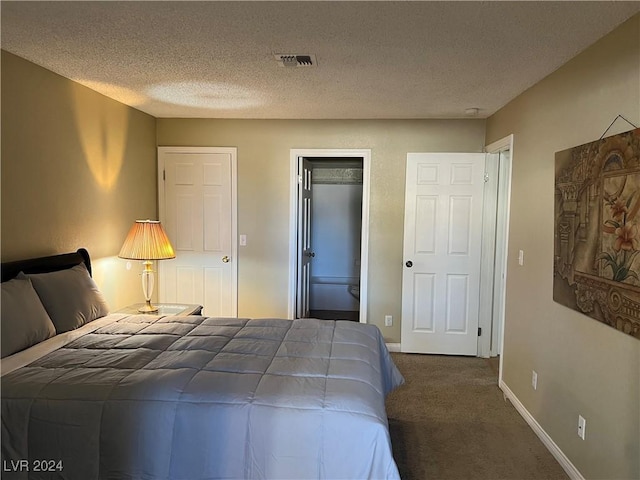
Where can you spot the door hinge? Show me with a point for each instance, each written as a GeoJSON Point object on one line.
{"type": "Point", "coordinates": [479, 331]}
{"type": "Point", "coordinates": [164, 175]}
{"type": "Point", "coordinates": [486, 177]}
{"type": "Point", "coordinates": [300, 179]}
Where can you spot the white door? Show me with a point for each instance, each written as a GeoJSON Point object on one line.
{"type": "Point", "coordinates": [305, 252]}
{"type": "Point", "coordinates": [442, 249]}
{"type": "Point", "coordinates": [198, 211]}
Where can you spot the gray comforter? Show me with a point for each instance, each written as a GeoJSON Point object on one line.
{"type": "Point", "coordinates": [196, 398]}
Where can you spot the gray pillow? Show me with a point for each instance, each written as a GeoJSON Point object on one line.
{"type": "Point", "coordinates": [70, 296]}
{"type": "Point", "coordinates": [24, 320]}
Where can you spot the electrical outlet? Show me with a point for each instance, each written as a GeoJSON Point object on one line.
{"type": "Point", "coordinates": [582, 426]}
{"type": "Point", "coordinates": [534, 380]}
{"type": "Point", "coordinates": [388, 320]}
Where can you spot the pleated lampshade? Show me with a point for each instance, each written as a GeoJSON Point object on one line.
{"type": "Point", "coordinates": [147, 240]}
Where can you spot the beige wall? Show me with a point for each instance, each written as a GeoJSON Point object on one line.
{"type": "Point", "coordinates": [263, 195]}
{"type": "Point", "coordinates": [584, 367]}
{"type": "Point", "coordinates": [77, 170]}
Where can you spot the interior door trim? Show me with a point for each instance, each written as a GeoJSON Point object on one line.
{"type": "Point", "coordinates": [502, 247]}
{"type": "Point", "coordinates": [365, 154]}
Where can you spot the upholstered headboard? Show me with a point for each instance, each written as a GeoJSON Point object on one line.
{"type": "Point", "coordinates": [52, 263]}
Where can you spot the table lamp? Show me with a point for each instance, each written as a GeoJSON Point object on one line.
{"type": "Point", "coordinates": [147, 241]}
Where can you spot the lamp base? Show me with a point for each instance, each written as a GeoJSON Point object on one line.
{"type": "Point", "coordinates": [147, 288]}
{"type": "Point", "coordinates": [148, 308]}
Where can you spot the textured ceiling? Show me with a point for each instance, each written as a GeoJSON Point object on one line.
{"type": "Point", "coordinates": [374, 59]}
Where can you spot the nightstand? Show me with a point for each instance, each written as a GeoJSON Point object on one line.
{"type": "Point", "coordinates": [179, 310]}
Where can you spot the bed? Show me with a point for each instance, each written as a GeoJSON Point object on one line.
{"type": "Point", "coordinates": [153, 397]}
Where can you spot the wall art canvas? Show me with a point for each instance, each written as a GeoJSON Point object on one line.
{"type": "Point", "coordinates": [597, 230]}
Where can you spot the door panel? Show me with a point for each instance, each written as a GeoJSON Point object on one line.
{"type": "Point", "coordinates": [186, 284]}
{"type": "Point", "coordinates": [197, 213]}
{"type": "Point", "coordinates": [424, 304]}
{"type": "Point", "coordinates": [442, 240]}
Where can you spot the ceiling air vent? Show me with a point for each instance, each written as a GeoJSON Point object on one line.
{"type": "Point", "coordinates": [294, 60]}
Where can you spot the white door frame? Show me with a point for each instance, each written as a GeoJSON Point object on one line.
{"type": "Point", "coordinates": [499, 271]}
{"type": "Point", "coordinates": [233, 152]}
{"type": "Point", "coordinates": [365, 154]}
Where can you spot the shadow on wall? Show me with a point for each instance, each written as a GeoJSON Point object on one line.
{"type": "Point", "coordinates": [102, 129]}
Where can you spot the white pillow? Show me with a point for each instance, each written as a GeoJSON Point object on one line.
{"type": "Point", "coordinates": [25, 322]}
{"type": "Point", "coordinates": [70, 296]}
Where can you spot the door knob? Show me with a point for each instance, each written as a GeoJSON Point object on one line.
{"type": "Point", "coordinates": [225, 259]}
{"type": "Point", "coordinates": [409, 263]}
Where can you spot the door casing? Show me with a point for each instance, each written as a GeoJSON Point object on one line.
{"type": "Point", "coordinates": [365, 154]}
{"type": "Point", "coordinates": [495, 323]}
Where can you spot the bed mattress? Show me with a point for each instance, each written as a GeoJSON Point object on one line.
{"type": "Point", "coordinates": [147, 397]}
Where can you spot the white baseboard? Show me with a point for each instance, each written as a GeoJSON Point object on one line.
{"type": "Point", "coordinates": [548, 442]}
{"type": "Point", "coordinates": [393, 347]}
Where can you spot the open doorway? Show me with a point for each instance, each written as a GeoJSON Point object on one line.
{"type": "Point", "coordinates": [336, 234]}
{"type": "Point", "coordinates": [329, 234]}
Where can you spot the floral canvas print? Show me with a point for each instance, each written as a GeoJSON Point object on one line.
{"type": "Point", "coordinates": [597, 237]}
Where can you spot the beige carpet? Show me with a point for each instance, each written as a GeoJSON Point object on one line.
{"type": "Point", "coordinates": [450, 421]}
